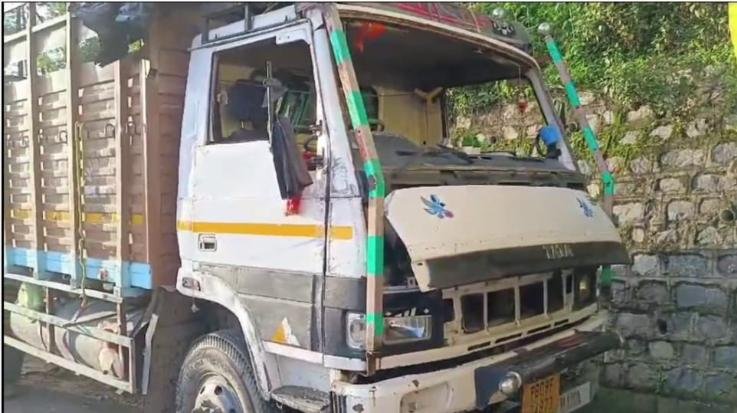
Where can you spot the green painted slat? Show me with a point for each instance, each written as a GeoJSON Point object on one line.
{"type": "Point", "coordinates": [554, 51]}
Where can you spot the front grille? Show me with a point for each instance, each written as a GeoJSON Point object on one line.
{"type": "Point", "coordinates": [508, 309]}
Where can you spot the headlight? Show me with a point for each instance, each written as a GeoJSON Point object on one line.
{"type": "Point", "coordinates": [397, 330]}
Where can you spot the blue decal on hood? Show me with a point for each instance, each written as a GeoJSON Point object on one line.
{"type": "Point", "coordinates": [436, 207]}
{"type": "Point", "coordinates": [585, 207]}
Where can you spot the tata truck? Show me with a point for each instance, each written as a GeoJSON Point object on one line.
{"type": "Point", "coordinates": [261, 207]}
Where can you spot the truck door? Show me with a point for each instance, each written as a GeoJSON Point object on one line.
{"type": "Point", "coordinates": [236, 224]}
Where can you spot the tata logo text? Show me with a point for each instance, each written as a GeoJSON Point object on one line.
{"type": "Point", "coordinates": [558, 251]}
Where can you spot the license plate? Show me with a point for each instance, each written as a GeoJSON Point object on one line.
{"type": "Point", "coordinates": [574, 398]}
{"type": "Point", "coordinates": [542, 396]}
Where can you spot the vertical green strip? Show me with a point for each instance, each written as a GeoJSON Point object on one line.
{"type": "Point", "coordinates": [607, 275]}
{"type": "Point", "coordinates": [573, 95]}
{"type": "Point", "coordinates": [590, 137]}
{"type": "Point", "coordinates": [608, 180]}
{"type": "Point", "coordinates": [375, 253]}
{"type": "Point", "coordinates": [554, 51]}
{"type": "Point", "coordinates": [377, 187]}
{"type": "Point", "coordinates": [357, 110]}
{"type": "Point", "coordinates": [340, 47]}
{"type": "Point", "coordinates": [377, 319]}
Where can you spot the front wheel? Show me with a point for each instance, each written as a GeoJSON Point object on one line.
{"type": "Point", "coordinates": [216, 377]}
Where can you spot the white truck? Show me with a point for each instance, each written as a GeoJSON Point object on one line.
{"type": "Point", "coordinates": [268, 214]}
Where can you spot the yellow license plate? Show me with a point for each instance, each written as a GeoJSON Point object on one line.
{"type": "Point", "coordinates": [542, 396]}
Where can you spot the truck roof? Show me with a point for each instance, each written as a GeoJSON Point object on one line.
{"type": "Point", "coordinates": [457, 16]}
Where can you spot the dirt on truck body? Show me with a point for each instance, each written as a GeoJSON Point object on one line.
{"type": "Point", "coordinates": [262, 206]}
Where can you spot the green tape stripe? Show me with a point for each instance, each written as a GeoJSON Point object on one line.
{"type": "Point", "coordinates": [607, 275]}
{"type": "Point", "coordinates": [554, 51]}
{"type": "Point", "coordinates": [608, 180]}
{"type": "Point", "coordinates": [377, 319]}
{"type": "Point", "coordinates": [590, 137]}
{"type": "Point", "coordinates": [573, 95]}
{"type": "Point", "coordinates": [375, 256]}
{"type": "Point", "coordinates": [340, 46]}
{"type": "Point", "coordinates": [372, 168]}
{"type": "Point", "coordinates": [357, 110]}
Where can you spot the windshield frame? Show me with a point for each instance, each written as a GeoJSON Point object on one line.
{"type": "Point", "coordinates": [532, 70]}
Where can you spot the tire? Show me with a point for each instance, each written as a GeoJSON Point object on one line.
{"type": "Point", "coordinates": [216, 375]}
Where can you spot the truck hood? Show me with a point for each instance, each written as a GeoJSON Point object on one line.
{"type": "Point", "coordinates": [458, 235]}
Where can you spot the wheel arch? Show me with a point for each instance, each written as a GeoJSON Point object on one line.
{"type": "Point", "coordinates": [210, 288]}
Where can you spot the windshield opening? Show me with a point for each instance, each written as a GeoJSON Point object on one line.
{"type": "Point", "coordinates": [415, 75]}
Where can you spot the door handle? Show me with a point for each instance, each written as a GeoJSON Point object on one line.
{"type": "Point", "coordinates": [207, 242]}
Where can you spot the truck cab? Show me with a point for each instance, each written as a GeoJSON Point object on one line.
{"type": "Point", "coordinates": [337, 249]}
{"type": "Point", "coordinates": [485, 258]}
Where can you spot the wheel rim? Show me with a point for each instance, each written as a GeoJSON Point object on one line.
{"type": "Point", "coordinates": [216, 395]}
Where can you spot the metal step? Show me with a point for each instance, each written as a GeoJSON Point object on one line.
{"type": "Point", "coordinates": [303, 399]}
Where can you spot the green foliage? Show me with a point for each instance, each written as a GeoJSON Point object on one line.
{"type": "Point", "coordinates": [51, 61]}
{"type": "Point", "coordinates": [632, 53]}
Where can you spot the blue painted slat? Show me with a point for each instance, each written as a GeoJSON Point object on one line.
{"type": "Point", "coordinates": [139, 273]}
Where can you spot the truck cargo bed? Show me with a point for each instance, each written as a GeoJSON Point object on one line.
{"type": "Point", "coordinates": [91, 192]}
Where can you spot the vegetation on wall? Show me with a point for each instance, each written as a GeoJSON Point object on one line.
{"type": "Point", "coordinates": [628, 51]}
{"type": "Point", "coordinates": [663, 55]}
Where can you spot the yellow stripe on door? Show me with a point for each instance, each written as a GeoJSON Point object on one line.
{"type": "Point", "coordinates": [272, 230]}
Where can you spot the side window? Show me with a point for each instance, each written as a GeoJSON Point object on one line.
{"type": "Point", "coordinates": [239, 102]}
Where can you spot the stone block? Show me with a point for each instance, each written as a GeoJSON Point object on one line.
{"type": "Point", "coordinates": [638, 235]}
{"type": "Point", "coordinates": [642, 165]}
{"type": "Point", "coordinates": [682, 158]}
{"type": "Point", "coordinates": [629, 213]}
{"type": "Point", "coordinates": [724, 153]}
{"type": "Point", "coordinates": [629, 138]}
{"type": "Point", "coordinates": [613, 375]}
{"type": "Point", "coordinates": [710, 206]}
{"type": "Point", "coordinates": [727, 265]}
{"type": "Point", "coordinates": [680, 210]}
{"type": "Point", "coordinates": [643, 113]}
{"type": "Point", "coordinates": [712, 328]}
{"type": "Point", "coordinates": [653, 294]}
{"type": "Point", "coordinates": [686, 265]}
{"type": "Point", "coordinates": [725, 358]}
{"type": "Point", "coordinates": [635, 347]}
{"type": "Point", "coordinates": [662, 132]}
{"type": "Point", "coordinates": [634, 325]}
{"type": "Point", "coordinates": [662, 350]}
{"type": "Point", "coordinates": [709, 236]}
{"type": "Point", "coordinates": [707, 299]}
{"type": "Point", "coordinates": [684, 380]}
{"type": "Point", "coordinates": [707, 183]}
{"type": "Point", "coordinates": [721, 386]}
{"type": "Point", "coordinates": [645, 265]}
{"type": "Point", "coordinates": [694, 355]}
{"type": "Point", "coordinates": [678, 326]}
{"type": "Point", "coordinates": [697, 128]}
{"type": "Point", "coordinates": [641, 376]}
{"type": "Point", "coordinates": [671, 185]}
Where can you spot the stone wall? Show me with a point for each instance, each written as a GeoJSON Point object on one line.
{"type": "Point", "coordinates": [676, 208]}
{"type": "Point", "coordinates": [676, 305]}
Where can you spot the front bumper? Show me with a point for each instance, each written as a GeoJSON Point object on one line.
{"type": "Point", "coordinates": [474, 385]}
